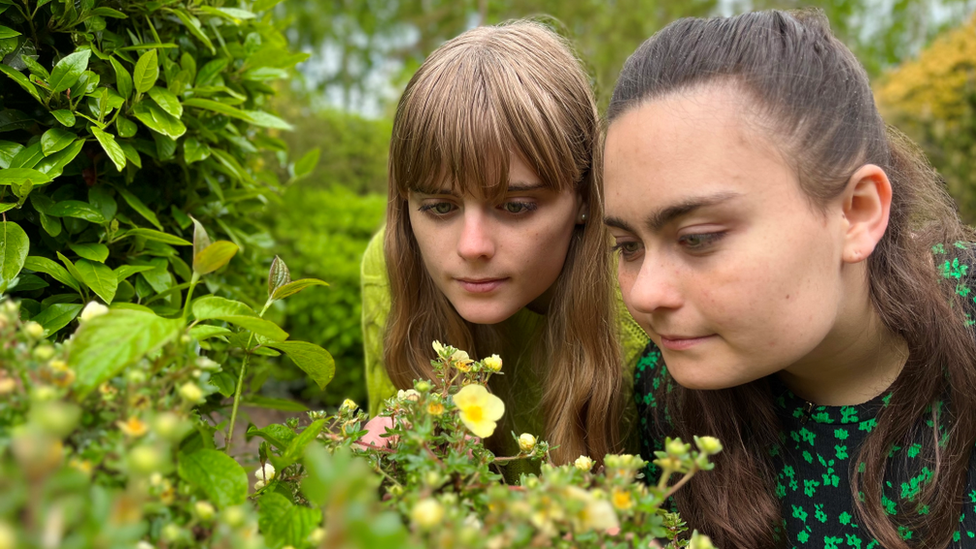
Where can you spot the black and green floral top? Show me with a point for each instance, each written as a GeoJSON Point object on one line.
{"type": "Point", "coordinates": [817, 443]}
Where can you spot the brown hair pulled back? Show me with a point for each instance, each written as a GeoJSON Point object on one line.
{"type": "Point", "coordinates": [814, 98]}
{"type": "Point", "coordinates": [481, 97]}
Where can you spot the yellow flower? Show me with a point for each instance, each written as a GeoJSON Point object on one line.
{"type": "Point", "coordinates": [438, 347]}
{"type": "Point", "coordinates": [33, 329]}
{"type": "Point", "coordinates": [583, 463]}
{"type": "Point", "coordinates": [493, 363]}
{"type": "Point", "coordinates": [480, 410]}
{"type": "Point", "coordinates": [621, 499]}
{"type": "Point", "coordinates": [461, 361]}
{"type": "Point", "coordinates": [134, 427]}
{"type": "Point", "coordinates": [408, 394]}
{"type": "Point", "coordinates": [435, 408]}
{"type": "Point", "coordinates": [191, 392]}
{"type": "Point", "coordinates": [598, 515]}
{"type": "Point", "coordinates": [427, 514]}
{"type": "Point", "coordinates": [526, 442]}
{"type": "Point", "coordinates": [84, 466]}
{"type": "Point", "coordinates": [348, 406]}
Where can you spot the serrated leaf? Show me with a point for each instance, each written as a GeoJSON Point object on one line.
{"type": "Point", "coordinates": [158, 120]}
{"type": "Point", "coordinates": [53, 165]}
{"type": "Point", "coordinates": [16, 176]}
{"type": "Point", "coordinates": [137, 205]}
{"type": "Point", "coordinates": [312, 359]}
{"type": "Point", "coordinates": [158, 236]}
{"type": "Point", "coordinates": [92, 251]}
{"type": "Point", "coordinates": [214, 257]}
{"type": "Point", "coordinates": [111, 148]}
{"type": "Point", "coordinates": [57, 316]}
{"type": "Point", "coordinates": [14, 246]}
{"type": "Point", "coordinates": [21, 80]}
{"type": "Point", "coordinates": [278, 275]}
{"type": "Point", "coordinates": [47, 266]}
{"type": "Point", "coordinates": [68, 70]}
{"type": "Point", "coordinates": [103, 346]}
{"type": "Point", "coordinates": [100, 278]}
{"type": "Point", "coordinates": [278, 435]}
{"type": "Point", "coordinates": [217, 475]}
{"type": "Point", "coordinates": [146, 71]}
{"type": "Point", "coordinates": [167, 100]}
{"type": "Point", "coordinates": [193, 25]}
{"type": "Point", "coordinates": [65, 117]}
{"type": "Point", "coordinates": [125, 271]}
{"type": "Point", "coordinates": [195, 150]}
{"type": "Point", "coordinates": [56, 139]}
{"type": "Point", "coordinates": [296, 286]}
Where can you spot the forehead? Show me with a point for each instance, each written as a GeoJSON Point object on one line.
{"type": "Point", "coordinates": [697, 142]}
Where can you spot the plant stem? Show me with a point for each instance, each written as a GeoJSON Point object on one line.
{"type": "Point", "coordinates": [240, 383]}
{"type": "Point", "coordinates": [194, 279]}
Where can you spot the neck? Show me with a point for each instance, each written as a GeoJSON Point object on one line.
{"type": "Point", "coordinates": [856, 362]}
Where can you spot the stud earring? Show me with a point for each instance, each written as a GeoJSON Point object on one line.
{"type": "Point", "coordinates": [582, 218]}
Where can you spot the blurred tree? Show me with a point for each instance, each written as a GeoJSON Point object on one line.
{"type": "Point", "coordinates": [933, 99]}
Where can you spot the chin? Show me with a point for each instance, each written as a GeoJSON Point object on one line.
{"type": "Point", "coordinates": [482, 316]}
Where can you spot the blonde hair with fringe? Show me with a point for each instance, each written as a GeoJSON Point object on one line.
{"type": "Point", "coordinates": [489, 93]}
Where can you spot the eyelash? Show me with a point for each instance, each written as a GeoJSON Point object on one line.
{"type": "Point", "coordinates": [705, 240]}
{"type": "Point", "coordinates": [524, 208]}
{"type": "Point", "coordinates": [621, 247]}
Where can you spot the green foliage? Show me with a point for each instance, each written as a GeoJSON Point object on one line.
{"type": "Point", "coordinates": [326, 231]}
{"type": "Point", "coordinates": [119, 121]}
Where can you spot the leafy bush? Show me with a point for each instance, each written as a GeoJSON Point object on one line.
{"type": "Point", "coordinates": [933, 98]}
{"type": "Point", "coordinates": [119, 121]}
{"type": "Point", "coordinates": [114, 446]}
{"type": "Point", "coordinates": [325, 231]}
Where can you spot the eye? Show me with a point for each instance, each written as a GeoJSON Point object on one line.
{"type": "Point", "coordinates": [437, 208]}
{"type": "Point", "coordinates": [628, 249]}
{"type": "Point", "coordinates": [516, 208]}
{"type": "Point", "coordinates": [697, 242]}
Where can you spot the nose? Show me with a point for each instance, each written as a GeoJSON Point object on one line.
{"type": "Point", "coordinates": [656, 286]}
{"type": "Point", "coordinates": [476, 240]}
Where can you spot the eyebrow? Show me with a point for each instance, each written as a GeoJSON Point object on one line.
{"type": "Point", "coordinates": [513, 187]}
{"type": "Point", "coordinates": [658, 219]}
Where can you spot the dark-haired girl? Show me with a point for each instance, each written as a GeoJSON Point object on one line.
{"type": "Point", "coordinates": [802, 271]}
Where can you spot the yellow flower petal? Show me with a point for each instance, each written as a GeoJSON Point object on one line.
{"type": "Point", "coordinates": [480, 410]}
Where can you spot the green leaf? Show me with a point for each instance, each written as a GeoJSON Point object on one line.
{"type": "Point", "coordinates": [214, 257]}
{"type": "Point", "coordinates": [35, 67]}
{"type": "Point", "coordinates": [28, 158]}
{"type": "Point", "coordinates": [7, 206]}
{"type": "Point", "coordinates": [215, 307]}
{"type": "Point", "coordinates": [21, 80]}
{"type": "Point", "coordinates": [125, 127]}
{"type": "Point", "coordinates": [296, 448]}
{"type": "Point", "coordinates": [216, 106]}
{"type": "Point", "coordinates": [312, 359]}
{"type": "Point", "coordinates": [74, 208]}
{"type": "Point", "coordinates": [167, 100]}
{"type": "Point", "coordinates": [282, 404]}
{"type": "Point", "coordinates": [111, 148]}
{"type": "Point", "coordinates": [68, 69]}
{"type": "Point", "coordinates": [92, 251]}
{"type": "Point", "coordinates": [106, 344]}
{"type": "Point", "coordinates": [55, 140]}
{"type": "Point", "coordinates": [193, 24]}
{"type": "Point", "coordinates": [259, 326]}
{"type": "Point", "coordinates": [7, 32]}
{"type": "Point", "coordinates": [44, 265]}
{"type": "Point", "coordinates": [53, 165]}
{"type": "Point", "coordinates": [234, 14]}
{"type": "Point", "coordinates": [57, 316]}
{"type": "Point", "coordinates": [268, 120]}
{"type": "Point", "coordinates": [102, 200]}
{"type": "Point", "coordinates": [158, 120]}
{"type": "Point", "coordinates": [264, 5]}
{"type": "Point", "coordinates": [195, 150]}
{"type": "Point", "coordinates": [158, 236]}
{"type": "Point", "coordinates": [27, 282]}
{"type": "Point", "coordinates": [278, 435]}
{"type": "Point", "coordinates": [206, 331]}
{"type": "Point", "coordinates": [284, 523]}
{"type": "Point", "coordinates": [146, 72]}
{"type": "Point", "coordinates": [201, 239]}
{"type": "Point", "coordinates": [16, 176]}
{"type": "Point", "coordinates": [138, 206]}
{"type": "Point", "coordinates": [209, 71]}
{"type": "Point", "coordinates": [278, 275]}
{"type": "Point", "coordinates": [296, 286]}
{"type": "Point", "coordinates": [14, 245]}
{"type": "Point", "coordinates": [108, 12]}
{"type": "Point", "coordinates": [9, 150]}
{"type": "Point", "coordinates": [306, 164]}
{"type": "Point", "coordinates": [125, 271]}
{"type": "Point", "coordinates": [131, 154]}
{"type": "Point", "coordinates": [100, 278]}
{"type": "Point", "coordinates": [65, 117]}
{"type": "Point", "coordinates": [217, 475]}
{"type": "Point", "coordinates": [51, 224]}
{"type": "Point", "coordinates": [71, 268]}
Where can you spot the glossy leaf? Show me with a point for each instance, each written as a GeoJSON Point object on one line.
{"type": "Point", "coordinates": [8, 150]}
{"type": "Point", "coordinates": [14, 246]}
{"type": "Point", "coordinates": [68, 70]}
{"type": "Point", "coordinates": [195, 150]}
{"type": "Point", "coordinates": [56, 139]}
{"type": "Point", "coordinates": [201, 240]}
{"type": "Point", "coordinates": [278, 275]}
{"type": "Point", "coordinates": [137, 205]}
{"type": "Point", "coordinates": [125, 271]}
{"type": "Point", "coordinates": [21, 80]}
{"type": "Point", "coordinates": [65, 117]}
{"type": "Point", "coordinates": [53, 165]}
{"type": "Point", "coordinates": [167, 100]}
{"type": "Point", "coordinates": [57, 272]}
{"type": "Point", "coordinates": [125, 127]}
{"type": "Point", "coordinates": [296, 286]}
{"type": "Point", "coordinates": [158, 120]}
{"type": "Point", "coordinates": [158, 236]}
{"type": "Point", "coordinates": [99, 278]}
{"type": "Point", "coordinates": [92, 251]}
{"type": "Point", "coordinates": [211, 307]}
{"type": "Point", "coordinates": [312, 359]}
{"type": "Point", "coordinates": [111, 148]}
{"type": "Point", "coordinates": [16, 176]}
{"type": "Point", "coordinates": [103, 346]}
{"type": "Point", "coordinates": [7, 32]}
{"type": "Point", "coordinates": [210, 70]}
{"type": "Point", "coordinates": [193, 25]}
{"type": "Point", "coordinates": [123, 80]}
{"type": "Point", "coordinates": [76, 209]}
{"type": "Point", "coordinates": [214, 257]}
{"type": "Point", "coordinates": [51, 224]}
{"type": "Point", "coordinates": [57, 316]}
{"type": "Point", "coordinates": [146, 72]}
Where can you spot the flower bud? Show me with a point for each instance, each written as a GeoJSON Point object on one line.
{"type": "Point", "coordinates": [233, 516]}
{"type": "Point", "coordinates": [191, 392]}
{"type": "Point", "coordinates": [33, 329]}
{"type": "Point", "coordinates": [526, 442]}
{"type": "Point", "coordinates": [708, 445]}
{"type": "Point", "coordinates": [317, 536]}
{"type": "Point", "coordinates": [422, 386]}
{"type": "Point", "coordinates": [145, 460]}
{"type": "Point", "coordinates": [493, 363]}
{"type": "Point", "coordinates": [204, 510]}
{"type": "Point", "coordinates": [92, 310]}
{"type": "Point", "coordinates": [427, 513]}
{"type": "Point", "coordinates": [144, 544]}
{"type": "Point", "coordinates": [12, 308]}
{"type": "Point", "coordinates": [170, 426]}
{"type": "Point", "coordinates": [433, 479]}
{"type": "Point", "coordinates": [135, 376]}
{"type": "Point", "coordinates": [43, 352]}
{"type": "Point", "coordinates": [409, 394]}
{"type": "Point", "coordinates": [583, 463]}
{"type": "Point", "coordinates": [348, 406]}
{"type": "Point", "coordinates": [171, 533]}
{"type": "Point", "coordinates": [266, 472]}
{"type": "Point", "coordinates": [56, 418]}
{"type": "Point", "coordinates": [207, 365]}
{"type": "Point", "coordinates": [259, 485]}
{"type": "Point", "coordinates": [676, 448]}
{"type": "Point", "coordinates": [435, 408]}
{"type": "Point", "coordinates": [700, 541]}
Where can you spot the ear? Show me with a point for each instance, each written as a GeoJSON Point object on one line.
{"type": "Point", "coordinates": [583, 209]}
{"type": "Point", "coordinates": [866, 207]}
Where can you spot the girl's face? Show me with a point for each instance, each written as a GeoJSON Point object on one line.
{"type": "Point", "coordinates": [492, 258]}
{"type": "Point", "coordinates": [723, 260]}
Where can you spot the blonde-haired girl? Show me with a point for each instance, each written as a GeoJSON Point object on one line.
{"type": "Point", "coordinates": [491, 243]}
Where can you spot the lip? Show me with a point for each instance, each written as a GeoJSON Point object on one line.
{"type": "Point", "coordinates": [682, 343]}
{"type": "Point", "coordinates": [480, 285]}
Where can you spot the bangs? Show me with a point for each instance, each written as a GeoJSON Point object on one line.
{"type": "Point", "coordinates": [469, 109]}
